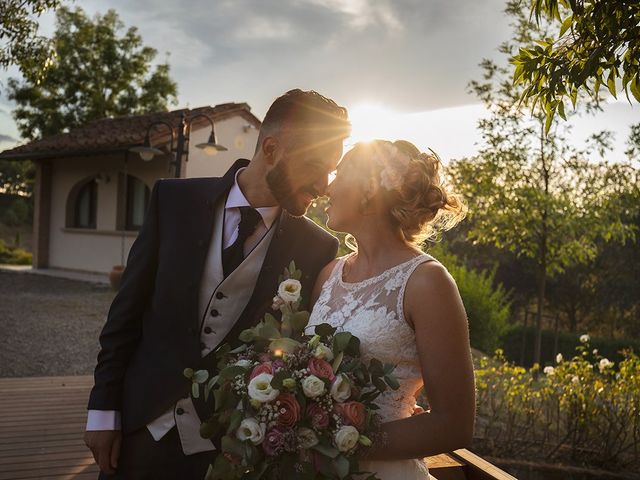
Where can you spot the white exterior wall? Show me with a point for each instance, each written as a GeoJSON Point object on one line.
{"type": "Point", "coordinates": [100, 249]}
{"type": "Point", "coordinates": [229, 133]}
{"type": "Point", "coordinates": [87, 249]}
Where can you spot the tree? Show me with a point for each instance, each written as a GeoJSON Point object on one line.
{"type": "Point", "coordinates": [597, 44]}
{"type": "Point", "coordinates": [96, 73]}
{"type": "Point", "coordinates": [533, 193]}
{"type": "Point", "coordinates": [21, 44]}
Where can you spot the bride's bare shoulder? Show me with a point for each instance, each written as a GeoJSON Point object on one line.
{"type": "Point", "coordinates": [431, 292]}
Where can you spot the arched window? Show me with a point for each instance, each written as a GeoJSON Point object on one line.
{"type": "Point", "coordinates": [136, 202]}
{"type": "Point", "coordinates": [85, 206]}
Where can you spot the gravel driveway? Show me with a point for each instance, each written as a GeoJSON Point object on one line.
{"type": "Point", "coordinates": [49, 326]}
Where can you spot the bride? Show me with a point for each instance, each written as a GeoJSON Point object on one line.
{"type": "Point", "coordinates": [402, 304]}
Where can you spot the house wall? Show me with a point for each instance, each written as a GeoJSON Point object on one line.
{"type": "Point", "coordinates": [100, 249]}
{"type": "Point", "coordinates": [229, 133]}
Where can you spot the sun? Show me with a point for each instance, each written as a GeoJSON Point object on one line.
{"type": "Point", "coordinates": [372, 121]}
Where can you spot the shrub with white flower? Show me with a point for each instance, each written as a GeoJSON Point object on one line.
{"type": "Point", "coordinates": [579, 403]}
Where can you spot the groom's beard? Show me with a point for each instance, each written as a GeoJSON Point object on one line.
{"type": "Point", "coordinates": [280, 187]}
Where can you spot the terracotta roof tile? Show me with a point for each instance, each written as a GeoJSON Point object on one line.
{"type": "Point", "coordinates": [120, 133]}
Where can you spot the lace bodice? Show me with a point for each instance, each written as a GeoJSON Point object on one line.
{"type": "Point", "coordinates": [372, 310]}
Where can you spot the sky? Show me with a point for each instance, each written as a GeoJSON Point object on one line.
{"type": "Point", "coordinates": [400, 66]}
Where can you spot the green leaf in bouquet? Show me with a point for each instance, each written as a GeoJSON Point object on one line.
{"type": "Point", "coordinates": [271, 321]}
{"type": "Point", "coordinates": [210, 428]}
{"type": "Point", "coordinates": [247, 336]}
{"type": "Point", "coordinates": [188, 372]}
{"type": "Point", "coordinates": [375, 368]}
{"type": "Point", "coordinates": [230, 372]}
{"type": "Point", "coordinates": [337, 361]}
{"type": "Point", "coordinates": [379, 383]}
{"type": "Point", "coordinates": [258, 473]}
{"type": "Point", "coordinates": [392, 382]}
{"type": "Point", "coordinates": [195, 390]}
{"type": "Point", "coordinates": [200, 376]}
{"type": "Point", "coordinates": [326, 450]}
{"type": "Point", "coordinates": [388, 368]}
{"type": "Point", "coordinates": [284, 345]}
{"type": "Point", "coordinates": [240, 349]}
{"type": "Point", "coordinates": [233, 446]}
{"type": "Point", "coordinates": [292, 266]}
{"type": "Point", "coordinates": [300, 320]}
{"type": "Point", "coordinates": [222, 469]}
{"type": "Point", "coordinates": [340, 342]}
{"type": "Point", "coordinates": [210, 384]}
{"type": "Point", "coordinates": [234, 421]}
{"type": "Point", "coordinates": [286, 327]}
{"type": "Point", "coordinates": [276, 381]}
{"type": "Point", "coordinates": [341, 464]}
{"type": "Point", "coordinates": [353, 348]}
{"type": "Point", "coordinates": [268, 331]}
{"type": "Point", "coordinates": [325, 330]}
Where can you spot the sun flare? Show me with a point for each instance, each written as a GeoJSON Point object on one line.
{"type": "Point", "coordinates": [370, 122]}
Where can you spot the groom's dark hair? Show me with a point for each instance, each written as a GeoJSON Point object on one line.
{"type": "Point", "coordinates": [301, 111]}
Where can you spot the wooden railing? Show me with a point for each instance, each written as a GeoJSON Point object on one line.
{"type": "Point", "coordinates": [42, 422]}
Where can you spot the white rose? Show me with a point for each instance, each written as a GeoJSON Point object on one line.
{"type": "Point", "coordinates": [289, 290]}
{"type": "Point", "coordinates": [558, 358]}
{"type": "Point", "coordinates": [323, 352]}
{"type": "Point", "coordinates": [346, 438]}
{"type": "Point", "coordinates": [260, 388]}
{"type": "Point", "coordinates": [584, 338]}
{"type": "Point", "coordinates": [244, 363]}
{"type": "Point", "coordinates": [340, 389]}
{"type": "Point", "coordinates": [604, 364]}
{"type": "Point", "coordinates": [549, 370]}
{"type": "Point", "coordinates": [250, 429]}
{"type": "Point", "coordinates": [307, 437]}
{"type": "Point", "coordinates": [312, 386]}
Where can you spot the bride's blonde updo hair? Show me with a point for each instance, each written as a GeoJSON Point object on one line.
{"type": "Point", "coordinates": [412, 188]}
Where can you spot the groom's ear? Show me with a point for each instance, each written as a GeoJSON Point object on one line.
{"type": "Point", "coordinates": [269, 147]}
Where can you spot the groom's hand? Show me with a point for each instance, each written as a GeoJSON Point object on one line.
{"type": "Point", "coordinates": [105, 446]}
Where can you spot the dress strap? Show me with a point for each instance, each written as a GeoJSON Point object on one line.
{"type": "Point", "coordinates": [419, 260]}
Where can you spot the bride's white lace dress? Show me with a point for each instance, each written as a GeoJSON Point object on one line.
{"type": "Point", "coordinates": [373, 311]}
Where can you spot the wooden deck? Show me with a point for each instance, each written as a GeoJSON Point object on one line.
{"type": "Point", "coordinates": [42, 422]}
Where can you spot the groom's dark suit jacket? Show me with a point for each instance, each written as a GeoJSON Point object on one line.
{"type": "Point", "coordinates": [152, 331]}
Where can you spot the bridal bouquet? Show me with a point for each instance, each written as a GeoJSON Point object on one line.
{"type": "Point", "coordinates": [291, 405]}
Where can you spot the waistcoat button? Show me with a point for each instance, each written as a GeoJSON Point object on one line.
{"type": "Point", "coordinates": [214, 313]}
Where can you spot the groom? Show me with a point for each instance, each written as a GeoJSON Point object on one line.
{"type": "Point", "coordinates": [203, 268]}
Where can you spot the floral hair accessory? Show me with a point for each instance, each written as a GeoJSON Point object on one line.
{"type": "Point", "coordinates": [393, 165]}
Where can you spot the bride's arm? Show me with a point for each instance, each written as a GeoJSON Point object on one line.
{"type": "Point", "coordinates": [434, 308]}
{"type": "Point", "coordinates": [322, 277]}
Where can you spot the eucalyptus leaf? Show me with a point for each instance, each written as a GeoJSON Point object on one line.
{"type": "Point", "coordinates": [195, 390]}
{"type": "Point", "coordinates": [200, 376]}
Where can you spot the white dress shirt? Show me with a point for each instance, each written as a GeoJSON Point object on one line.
{"type": "Point", "coordinates": [110, 419]}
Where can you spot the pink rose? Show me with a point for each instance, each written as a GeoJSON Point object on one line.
{"type": "Point", "coordinates": [266, 367]}
{"type": "Point", "coordinates": [352, 413]}
{"type": "Point", "coordinates": [273, 443]}
{"type": "Point", "coordinates": [320, 368]}
{"type": "Point", "coordinates": [289, 410]}
{"type": "Point", "coordinates": [318, 416]}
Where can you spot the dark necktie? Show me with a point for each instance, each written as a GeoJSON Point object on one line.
{"type": "Point", "coordinates": [233, 255]}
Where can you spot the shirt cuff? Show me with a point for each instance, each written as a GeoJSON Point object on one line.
{"type": "Point", "coordinates": [103, 420]}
